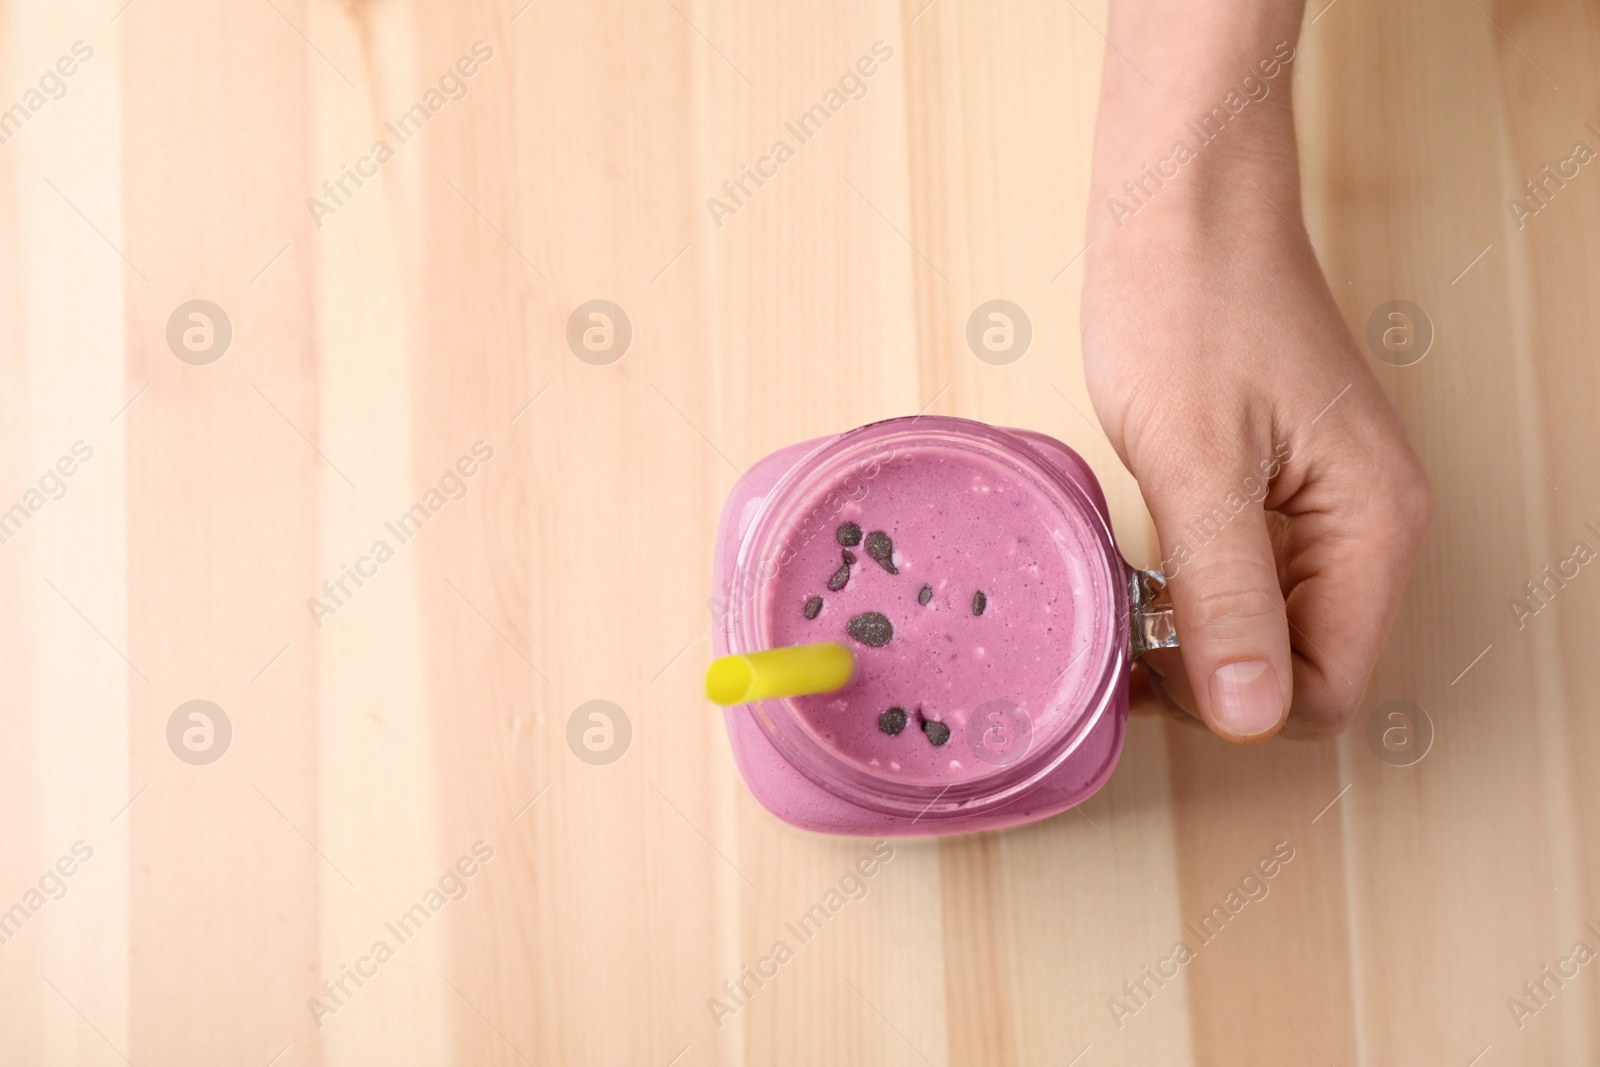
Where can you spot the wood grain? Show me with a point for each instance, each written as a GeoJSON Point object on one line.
{"type": "Point", "coordinates": [423, 713]}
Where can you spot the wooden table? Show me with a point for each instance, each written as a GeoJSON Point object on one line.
{"type": "Point", "coordinates": [395, 764]}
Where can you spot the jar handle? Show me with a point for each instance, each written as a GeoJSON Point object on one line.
{"type": "Point", "coordinates": [1151, 623]}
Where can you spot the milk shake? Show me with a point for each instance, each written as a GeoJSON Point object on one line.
{"type": "Point", "coordinates": [971, 571]}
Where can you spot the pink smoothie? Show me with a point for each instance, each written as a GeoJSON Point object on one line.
{"type": "Point", "coordinates": [1010, 714]}
{"type": "Point", "coordinates": [965, 532]}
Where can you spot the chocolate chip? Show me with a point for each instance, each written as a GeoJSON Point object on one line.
{"type": "Point", "coordinates": [880, 548]}
{"type": "Point", "coordinates": [871, 628]}
{"type": "Point", "coordinates": [849, 534]}
{"type": "Point", "coordinates": [937, 732]}
{"type": "Point", "coordinates": [926, 595]}
{"type": "Point", "coordinates": [892, 721]}
{"type": "Point", "coordinates": [842, 575]}
{"type": "Point", "coordinates": [813, 606]}
{"type": "Point", "coordinates": [979, 602]}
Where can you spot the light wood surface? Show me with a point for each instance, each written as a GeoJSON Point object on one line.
{"type": "Point", "coordinates": [373, 345]}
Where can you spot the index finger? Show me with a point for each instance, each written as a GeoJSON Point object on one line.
{"type": "Point", "coordinates": [1346, 545]}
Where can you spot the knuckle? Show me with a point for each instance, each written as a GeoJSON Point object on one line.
{"type": "Point", "coordinates": [1205, 446]}
{"type": "Point", "coordinates": [1224, 610]}
{"type": "Point", "coordinates": [1416, 496]}
{"type": "Point", "coordinates": [1405, 491]}
{"type": "Point", "coordinates": [1390, 487]}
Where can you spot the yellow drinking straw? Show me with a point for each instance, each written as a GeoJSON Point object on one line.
{"type": "Point", "coordinates": [779, 672]}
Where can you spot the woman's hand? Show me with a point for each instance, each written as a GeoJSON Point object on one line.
{"type": "Point", "coordinates": [1289, 504]}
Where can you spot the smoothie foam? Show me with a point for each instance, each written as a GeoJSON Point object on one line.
{"type": "Point", "coordinates": [990, 593]}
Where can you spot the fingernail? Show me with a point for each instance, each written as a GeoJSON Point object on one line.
{"type": "Point", "coordinates": [1245, 697]}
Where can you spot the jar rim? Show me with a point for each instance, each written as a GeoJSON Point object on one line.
{"type": "Point", "coordinates": [776, 517]}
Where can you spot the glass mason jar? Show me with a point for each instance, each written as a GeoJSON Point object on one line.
{"type": "Point", "coordinates": [1003, 763]}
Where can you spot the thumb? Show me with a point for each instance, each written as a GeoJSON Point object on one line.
{"type": "Point", "coordinates": [1232, 631]}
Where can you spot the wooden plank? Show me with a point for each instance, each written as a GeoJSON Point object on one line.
{"type": "Point", "coordinates": [227, 861]}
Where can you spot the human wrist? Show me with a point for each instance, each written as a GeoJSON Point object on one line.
{"type": "Point", "coordinates": [1233, 186]}
{"type": "Point", "coordinates": [1185, 52]}
{"type": "Point", "coordinates": [1218, 121]}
